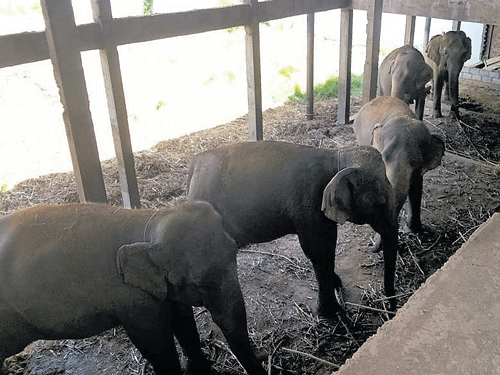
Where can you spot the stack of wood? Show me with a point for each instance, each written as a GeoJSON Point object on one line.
{"type": "Point", "coordinates": [492, 64]}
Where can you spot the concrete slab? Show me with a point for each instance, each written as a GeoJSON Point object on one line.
{"type": "Point", "coordinates": [451, 325]}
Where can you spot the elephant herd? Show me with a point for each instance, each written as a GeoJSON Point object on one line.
{"type": "Point", "coordinates": [76, 270]}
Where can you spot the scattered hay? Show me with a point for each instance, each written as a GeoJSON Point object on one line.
{"type": "Point", "coordinates": [277, 280]}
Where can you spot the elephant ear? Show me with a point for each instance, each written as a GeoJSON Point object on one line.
{"type": "Point", "coordinates": [339, 195]}
{"type": "Point", "coordinates": [136, 268]}
{"type": "Point", "coordinates": [468, 48]}
{"type": "Point", "coordinates": [436, 151]}
{"type": "Point", "coordinates": [432, 49]}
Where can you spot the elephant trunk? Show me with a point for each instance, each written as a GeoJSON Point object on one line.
{"type": "Point", "coordinates": [453, 76]}
{"type": "Point", "coordinates": [388, 230]}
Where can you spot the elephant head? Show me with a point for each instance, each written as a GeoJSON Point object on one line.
{"type": "Point", "coordinates": [447, 54]}
{"type": "Point", "coordinates": [364, 196]}
{"type": "Point", "coordinates": [403, 74]}
{"type": "Point", "coordinates": [162, 269]}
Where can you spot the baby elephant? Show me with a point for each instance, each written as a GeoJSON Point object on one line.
{"type": "Point", "coordinates": [265, 190]}
{"type": "Point", "coordinates": [407, 147]}
{"type": "Point", "coordinates": [72, 271]}
{"type": "Point", "coordinates": [403, 74]}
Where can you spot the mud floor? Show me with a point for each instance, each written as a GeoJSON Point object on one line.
{"type": "Point", "coordinates": [277, 279]}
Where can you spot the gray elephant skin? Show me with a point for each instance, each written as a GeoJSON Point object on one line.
{"type": "Point", "coordinates": [72, 271]}
{"type": "Point", "coordinates": [407, 147]}
{"type": "Point", "coordinates": [265, 190]}
{"type": "Point", "coordinates": [446, 54]}
{"type": "Point", "coordinates": [403, 74]}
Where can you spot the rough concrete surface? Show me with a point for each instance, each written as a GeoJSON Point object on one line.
{"type": "Point", "coordinates": [451, 325]}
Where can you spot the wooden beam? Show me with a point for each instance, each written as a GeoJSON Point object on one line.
{"type": "Point", "coordinates": [147, 28]}
{"type": "Point", "coordinates": [370, 75]}
{"type": "Point", "coordinates": [310, 67]}
{"type": "Point", "coordinates": [410, 30]}
{"type": "Point", "coordinates": [276, 9]}
{"type": "Point", "coordinates": [115, 95]}
{"type": "Point", "coordinates": [254, 85]}
{"type": "Point", "coordinates": [482, 11]}
{"type": "Point", "coordinates": [30, 47]}
{"type": "Point", "coordinates": [427, 30]}
{"type": "Point", "coordinates": [68, 71]}
{"type": "Point", "coordinates": [344, 102]}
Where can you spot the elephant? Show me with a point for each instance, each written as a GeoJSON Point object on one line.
{"type": "Point", "coordinates": [403, 74]}
{"type": "Point", "coordinates": [407, 147]}
{"type": "Point", "coordinates": [267, 189]}
{"type": "Point", "coordinates": [446, 54]}
{"type": "Point", "coordinates": [75, 270]}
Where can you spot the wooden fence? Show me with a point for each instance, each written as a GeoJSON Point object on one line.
{"type": "Point", "coordinates": [63, 40]}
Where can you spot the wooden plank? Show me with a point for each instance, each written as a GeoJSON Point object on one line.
{"type": "Point", "coordinates": [147, 28]}
{"type": "Point", "coordinates": [30, 47]}
{"type": "Point", "coordinates": [482, 11]}
{"type": "Point", "coordinates": [310, 67]}
{"type": "Point", "coordinates": [276, 9]}
{"type": "Point", "coordinates": [115, 95]}
{"type": "Point", "coordinates": [410, 30]}
{"type": "Point", "coordinates": [344, 102]}
{"type": "Point", "coordinates": [68, 71]}
{"type": "Point", "coordinates": [254, 91]}
{"type": "Point", "coordinates": [427, 30]}
{"type": "Point", "coordinates": [370, 75]}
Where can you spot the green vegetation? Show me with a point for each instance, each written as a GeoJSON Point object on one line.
{"type": "Point", "coordinates": [329, 89]}
{"type": "Point", "coordinates": [287, 71]}
{"type": "Point", "coordinates": [147, 7]}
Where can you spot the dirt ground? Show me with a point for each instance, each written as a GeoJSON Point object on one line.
{"type": "Point", "coordinates": [276, 278]}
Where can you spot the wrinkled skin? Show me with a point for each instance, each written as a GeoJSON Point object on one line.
{"type": "Point", "coordinates": [403, 74]}
{"type": "Point", "coordinates": [407, 147]}
{"type": "Point", "coordinates": [72, 271]}
{"type": "Point", "coordinates": [265, 190]}
{"type": "Point", "coordinates": [446, 54]}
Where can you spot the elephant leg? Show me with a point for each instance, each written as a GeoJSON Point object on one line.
{"type": "Point", "coordinates": [415, 198]}
{"type": "Point", "coordinates": [438, 89]}
{"type": "Point", "coordinates": [15, 333]}
{"type": "Point", "coordinates": [318, 243]}
{"type": "Point", "coordinates": [151, 333]}
{"type": "Point", "coordinates": [184, 327]}
{"type": "Point", "coordinates": [227, 307]}
{"type": "Point", "coordinates": [419, 107]}
{"type": "Point", "coordinates": [446, 91]}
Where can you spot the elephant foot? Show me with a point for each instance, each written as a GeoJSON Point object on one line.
{"type": "Point", "coordinates": [376, 243]}
{"type": "Point", "coordinates": [330, 311]}
{"type": "Point", "coordinates": [413, 227]}
{"type": "Point", "coordinates": [437, 114]}
{"type": "Point", "coordinates": [199, 367]}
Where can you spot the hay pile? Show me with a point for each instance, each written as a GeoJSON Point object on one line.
{"type": "Point", "coordinates": [277, 280]}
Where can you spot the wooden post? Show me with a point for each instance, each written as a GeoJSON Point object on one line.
{"type": "Point", "coordinates": [113, 84]}
{"type": "Point", "coordinates": [456, 25]}
{"type": "Point", "coordinates": [252, 51]}
{"type": "Point", "coordinates": [310, 67]}
{"type": "Point", "coordinates": [410, 30]}
{"type": "Point", "coordinates": [427, 30]}
{"type": "Point", "coordinates": [344, 102]}
{"type": "Point", "coordinates": [68, 71]}
{"type": "Point", "coordinates": [374, 15]}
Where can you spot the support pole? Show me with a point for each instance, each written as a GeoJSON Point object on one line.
{"type": "Point", "coordinates": [115, 95]}
{"type": "Point", "coordinates": [252, 51]}
{"type": "Point", "coordinates": [410, 30]}
{"type": "Point", "coordinates": [68, 71]}
{"type": "Point", "coordinates": [344, 102]}
{"type": "Point", "coordinates": [310, 67]}
{"type": "Point", "coordinates": [427, 30]}
{"type": "Point", "coordinates": [374, 15]}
